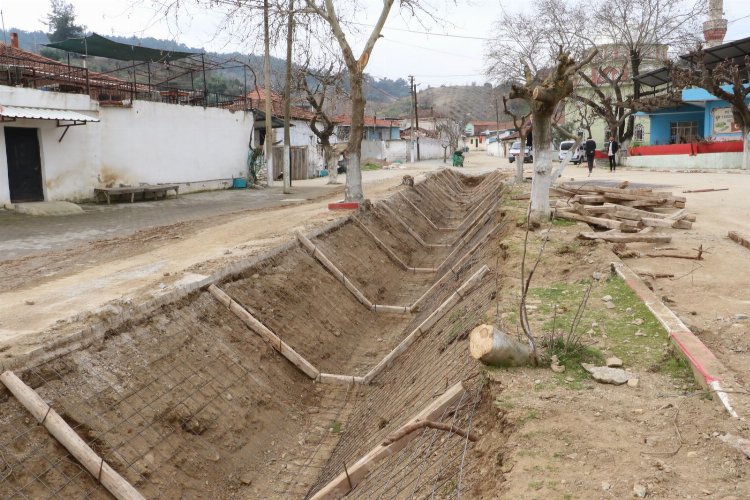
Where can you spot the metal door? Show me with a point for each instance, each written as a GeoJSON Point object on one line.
{"type": "Point", "coordinates": [24, 164]}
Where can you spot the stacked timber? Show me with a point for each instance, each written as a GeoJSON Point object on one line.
{"type": "Point", "coordinates": [629, 214]}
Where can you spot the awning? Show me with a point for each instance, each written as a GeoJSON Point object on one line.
{"type": "Point", "coordinates": [14, 112]}
{"type": "Point", "coordinates": [96, 45]}
{"type": "Point", "coordinates": [259, 121]}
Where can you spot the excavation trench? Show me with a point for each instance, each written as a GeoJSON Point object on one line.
{"type": "Point", "coordinates": [192, 400]}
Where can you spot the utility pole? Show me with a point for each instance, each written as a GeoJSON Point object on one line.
{"type": "Point", "coordinates": [287, 98]}
{"type": "Point", "coordinates": [416, 114]}
{"type": "Point", "coordinates": [268, 143]}
{"type": "Point", "coordinates": [413, 108]}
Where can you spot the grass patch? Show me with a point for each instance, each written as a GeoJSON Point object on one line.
{"type": "Point", "coordinates": [628, 330]}
{"type": "Point", "coordinates": [563, 222]}
{"type": "Point", "coordinates": [335, 427]}
{"type": "Point", "coordinates": [371, 166]}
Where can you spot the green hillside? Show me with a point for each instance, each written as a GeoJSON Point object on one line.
{"type": "Point", "coordinates": [227, 81]}
{"type": "Point", "coordinates": [477, 101]}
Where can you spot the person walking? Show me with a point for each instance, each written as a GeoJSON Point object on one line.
{"type": "Point", "coordinates": [611, 152]}
{"type": "Point", "coordinates": [590, 148]}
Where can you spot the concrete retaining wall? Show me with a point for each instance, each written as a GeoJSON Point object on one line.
{"type": "Point", "coordinates": [700, 162]}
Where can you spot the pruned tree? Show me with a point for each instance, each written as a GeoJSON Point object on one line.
{"type": "Point", "coordinates": [319, 84]}
{"type": "Point", "coordinates": [544, 98]}
{"type": "Point", "coordinates": [451, 130]}
{"type": "Point", "coordinates": [330, 12]}
{"type": "Point", "coordinates": [520, 113]}
{"type": "Point", "coordinates": [726, 80]}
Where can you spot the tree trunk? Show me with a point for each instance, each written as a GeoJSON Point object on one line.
{"type": "Point", "coordinates": [268, 142]}
{"type": "Point", "coordinates": [287, 101]}
{"type": "Point", "coordinates": [330, 161]}
{"type": "Point", "coordinates": [542, 181]}
{"type": "Point", "coordinates": [745, 148]}
{"type": "Point", "coordinates": [519, 164]}
{"type": "Point", "coordinates": [353, 190]}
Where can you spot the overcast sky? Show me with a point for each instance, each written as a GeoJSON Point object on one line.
{"type": "Point", "coordinates": [433, 59]}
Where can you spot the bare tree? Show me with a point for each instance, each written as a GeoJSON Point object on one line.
{"type": "Point", "coordinates": [319, 84]}
{"type": "Point", "coordinates": [329, 11]}
{"type": "Point", "coordinates": [544, 99]}
{"type": "Point", "coordinates": [520, 113]}
{"type": "Point", "coordinates": [452, 130]}
{"type": "Point", "coordinates": [726, 80]}
{"type": "Point", "coordinates": [643, 30]}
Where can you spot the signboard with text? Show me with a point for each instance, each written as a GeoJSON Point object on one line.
{"type": "Point", "coordinates": [723, 121]}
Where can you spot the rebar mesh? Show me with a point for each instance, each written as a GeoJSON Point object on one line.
{"type": "Point", "coordinates": [169, 401]}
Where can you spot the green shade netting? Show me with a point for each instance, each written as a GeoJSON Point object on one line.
{"type": "Point", "coordinates": [95, 45]}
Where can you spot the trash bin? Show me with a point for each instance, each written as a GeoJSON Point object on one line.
{"type": "Point", "coordinates": [458, 159]}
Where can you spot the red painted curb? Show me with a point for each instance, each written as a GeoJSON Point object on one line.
{"type": "Point", "coordinates": [343, 205]}
{"type": "Point", "coordinates": [707, 368]}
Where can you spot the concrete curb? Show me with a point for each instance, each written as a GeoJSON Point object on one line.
{"type": "Point", "coordinates": [709, 372]}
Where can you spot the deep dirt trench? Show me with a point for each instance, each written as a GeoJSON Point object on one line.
{"type": "Point", "coordinates": [189, 402]}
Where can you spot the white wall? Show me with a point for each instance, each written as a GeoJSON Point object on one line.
{"type": "Point", "coordinates": [69, 168]}
{"type": "Point", "coordinates": [198, 148]}
{"type": "Point", "coordinates": [496, 149]}
{"type": "Point", "coordinates": [392, 151]}
{"type": "Point", "coordinates": [707, 161]}
{"type": "Point", "coordinates": [167, 143]}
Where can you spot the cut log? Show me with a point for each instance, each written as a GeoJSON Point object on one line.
{"type": "Point", "coordinates": [677, 224]}
{"type": "Point", "coordinates": [628, 238]}
{"type": "Point", "coordinates": [598, 221]}
{"type": "Point", "coordinates": [493, 347]}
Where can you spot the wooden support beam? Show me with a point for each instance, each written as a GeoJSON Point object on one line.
{"type": "Point", "coordinates": [433, 318]}
{"type": "Point", "coordinates": [282, 347]}
{"type": "Point", "coordinates": [356, 472]}
{"type": "Point", "coordinates": [413, 233]}
{"type": "Point", "coordinates": [329, 378]}
{"type": "Point", "coordinates": [434, 226]}
{"type": "Point", "coordinates": [335, 271]}
{"type": "Point", "coordinates": [69, 439]}
{"type": "Point", "coordinates": [349, 284]}
{"type": "Point", "coordinates": [391, 254]}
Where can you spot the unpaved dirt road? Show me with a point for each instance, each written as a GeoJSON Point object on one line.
{"type": "Point", "coordinates": [48, 290]}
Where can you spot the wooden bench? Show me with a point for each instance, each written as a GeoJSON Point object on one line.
{"type": "Point", "coordinates": [145, 190]}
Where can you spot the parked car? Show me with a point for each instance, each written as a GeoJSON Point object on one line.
{"type": "Point", "coordinates": [515, 152]}
{"type": "Point", "coordinates": [577, 154]}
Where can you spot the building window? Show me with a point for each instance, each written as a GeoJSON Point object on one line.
{"type": "Point", "coordinates": [683, 132]}
{"type": "Point", "coordinates": [638, 132]}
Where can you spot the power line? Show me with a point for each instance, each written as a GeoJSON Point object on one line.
{"type": "Point", "coordinates": [739, 18]}
{"type": "Point", "coordinates": [418, 32]}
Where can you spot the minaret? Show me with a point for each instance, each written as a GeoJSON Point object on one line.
{"type": "Point", "coordinates": [716, 27]}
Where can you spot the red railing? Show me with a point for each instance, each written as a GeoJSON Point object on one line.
{"type": "Point", "coordinates": [58, 77]}
{"type": "Point", "coordinates": [693, 149]}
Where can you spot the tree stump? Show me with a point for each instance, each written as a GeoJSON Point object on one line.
{"type": "Point", "coordinates": [493, 347]}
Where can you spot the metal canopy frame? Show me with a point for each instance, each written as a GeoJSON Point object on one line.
{"type": "Point", "coordinates": [712, 56]}
{"type": "Point", "coordinates": [143, 73]}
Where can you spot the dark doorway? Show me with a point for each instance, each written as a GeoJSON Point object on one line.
{"type": "Point", "coordinates": [24, 164]}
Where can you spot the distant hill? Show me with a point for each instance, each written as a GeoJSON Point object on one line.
{"type": "Point", "coordinates": [230, 81]}
{"type": "Point", "coordinates": [478, 101]}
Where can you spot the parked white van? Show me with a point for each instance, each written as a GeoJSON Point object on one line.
{"type": "Point", "coordinates": [565, 148]}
